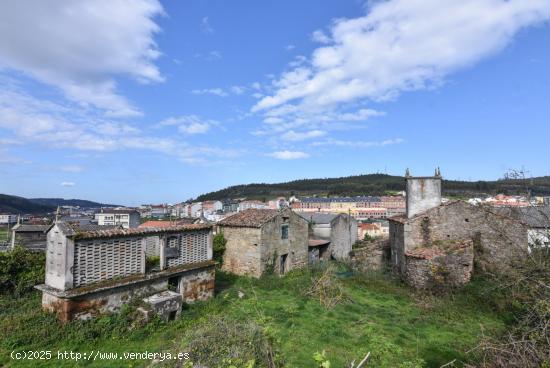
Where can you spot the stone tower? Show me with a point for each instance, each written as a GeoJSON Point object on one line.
{"type": "Point", "coordinates": [423, 192]}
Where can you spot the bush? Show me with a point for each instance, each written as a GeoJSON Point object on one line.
{"type": "Point", "coordinates": [221, 342]}
{"type": "Point", "coordinates": [20, 270]}
{"type": "Point", "coordinates": [525, 288]}
{"type": "Point", "coordinates": [219, 247]}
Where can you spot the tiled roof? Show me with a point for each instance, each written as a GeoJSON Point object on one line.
{"type": "Point", "coordinates": [109, 211]}
{"type": "Point", "coordinates": [250, 218]}
{"type": "Point", "coordinates": [165, 224]}
{"type": "Point", "coordinates": [109, 232]}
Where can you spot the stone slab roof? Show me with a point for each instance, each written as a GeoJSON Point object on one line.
{"type": "Point", "coordinates": [317, 242]}
{"type": "Point", "coordinates": [250, 218]}
{"type": "Point", "coordinates": [28, 228]}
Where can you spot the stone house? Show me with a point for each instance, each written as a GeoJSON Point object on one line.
{"type": "Point", "coordinates": [264, 240]}
{"type": "Point", "coordinates": [337, 230]}
{"type": "Point", "coordinates": [96, 271]}
{"type": "Point", "coordinates": [429, 223]}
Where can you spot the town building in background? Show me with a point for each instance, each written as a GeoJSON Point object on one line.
{"type": "Point", "coordinates": [264, 240]}
{"type": "Point", "coordinates": [127, 218]}
{"type": "Point", "coordinates": [361, 208]}
{"type": "Point", "coordinates": [7, 219]}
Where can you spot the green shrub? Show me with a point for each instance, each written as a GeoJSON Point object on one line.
{"type": "Point", "coordinates": [219, 247]}
{"type": "Point", "coordinates": [20, 270]}
{"type": "Point", "coordinates": [222, 342]}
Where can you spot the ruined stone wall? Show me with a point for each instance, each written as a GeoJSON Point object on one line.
{"type": "Point", "coordinates": [397, 245]}
{"type": "Point", "coordinates": [342, 237]}
{"type": "Point", "coordinates": [94, 304]}
{"type": "Point", "coordinates": [296, 246]}
{"type": "Point", "coordinates": [370, 257]}
{"type": "Point", "coordinates": [198, 285]}
{"type": "Point", "coordinates": [496, 239]}
{"type": "Point", "coordinates": [452, 269]}
{"type": "Point", "coordinates": [242, 251]}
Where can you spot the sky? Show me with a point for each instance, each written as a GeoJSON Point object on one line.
{"type": "Point", "coordinates": [146, 101]}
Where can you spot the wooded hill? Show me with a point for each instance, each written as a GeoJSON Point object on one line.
{"type": "Point", "coordinates": [375, 184]}
{"type": "Point", "coordinates": [19, 205]}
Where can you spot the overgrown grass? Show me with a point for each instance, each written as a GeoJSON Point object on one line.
{"type": "Point", "coordinates": [379, 315]}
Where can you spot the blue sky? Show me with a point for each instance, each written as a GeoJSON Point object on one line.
{"type": "Point", "coordinates": [142, 101]}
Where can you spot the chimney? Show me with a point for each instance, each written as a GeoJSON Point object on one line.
{"type": "Point", "coordinates": [423, 192]}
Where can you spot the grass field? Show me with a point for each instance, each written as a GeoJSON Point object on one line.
{"type": "Point", "coordinates": [399, 327]}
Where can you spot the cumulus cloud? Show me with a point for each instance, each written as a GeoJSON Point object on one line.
{"type": "Point", "coordinates": [288, 155]}
{"type": "Point", "coordinates": [300, 136]}
{"type": "Point", "coordinates": [189, 124]}
{"type": "Point", "coordinates": [80, 46]}
{"type": "Point", "coordinates": [210, 91]}
{"type": "Point", "coordinates": [35, 121]}
{"type": "Point", "coordinates": [357, 144]}
{"type": "Point", "coordinates": [398, 46]}
{"type": "Point", "coordinates": [68, 184]}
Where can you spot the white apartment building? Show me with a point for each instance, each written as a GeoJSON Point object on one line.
{"type": "Point", "coordinates": [6, 219]}
{"type": "Point", "coordinates": [125, 218]}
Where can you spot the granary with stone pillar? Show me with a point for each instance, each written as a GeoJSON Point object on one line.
{"type": "Point", "coordinates": [436, 241]}
{"type": "Point", "coordinates": [94, 272]}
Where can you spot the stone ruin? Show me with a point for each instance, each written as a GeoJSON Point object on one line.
{"type": "Point", "coordinates": [441, 265]}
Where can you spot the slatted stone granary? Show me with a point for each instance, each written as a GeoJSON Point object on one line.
{"type": "Point", "coordinates": [92, 272]}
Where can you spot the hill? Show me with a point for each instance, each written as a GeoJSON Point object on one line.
{"type": "Point", "coordinates": [69, 202]}
{"type": "Point", "coordinates": [14, 204]}
{"type": "Point", "coordinates": [375, 184]}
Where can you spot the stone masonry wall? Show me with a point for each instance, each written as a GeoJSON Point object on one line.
{"type": "Point", "coordinates": [296, 246]}
{"type": "Point", "coordinates": [451, 269]}
{"type": "Point", "coordinates": [198, 285]}
{"type": "Point", "coordinates": [371, 257]}
{"type": "Point", "coordinates": [496, 239]}
{"type": "Point", "coordinates": [242, 252]}
{"type": "Point", "coordinates": [342, 237]}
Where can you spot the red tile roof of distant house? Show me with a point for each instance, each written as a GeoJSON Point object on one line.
{"type": "Point", "coordinates": [165, 224]}
{"type": "Point", "coordinates": [250, 218]}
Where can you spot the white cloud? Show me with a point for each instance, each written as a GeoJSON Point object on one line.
{"type": "Point", "coordinates": [190, 124]}
{"type": "Point", "coordinates": [400, 45]}
{"type": "Point", "coordinates": [68, 184]}
{"type": "Point", "coordinates": [210, 91]}
{"type": "Point", "coordinates": [290, 47]}
{"type": "Point", "coordinates": [32, 121]}
{"type": "Point", "coordinates": [238, 90]}
{"type": "Point", "coordinates": [300, 136]}
{"type": "Point", "coordinates": [320, 36]}
{"type": "Point", "coordinates": [79, 46]}
{"type": "Point", "coordinates": [288, 155]}
{"type": "Point", "coordinates": [71, 168]}
{"type": "Point", "coordinates": [205, 26]}
{"type": "Point", "coordinates": [357, 144]}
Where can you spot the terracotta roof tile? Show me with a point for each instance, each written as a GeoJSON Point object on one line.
{"type": "Point", "coordinates": [139, 231]}
{"type": "Point", "coordinates": [249, 218]}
